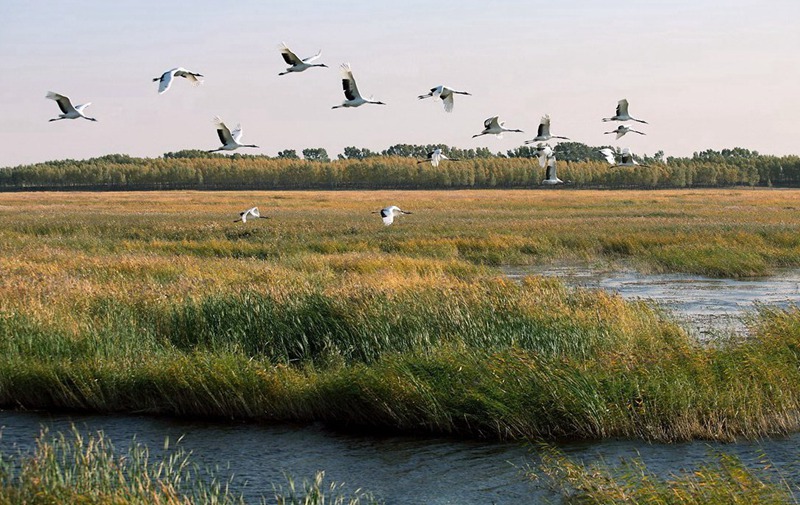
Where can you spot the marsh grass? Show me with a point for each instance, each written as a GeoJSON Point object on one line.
{"type": "Point", "coordinates": [318, 492]}
{"type": "Point", "coordinates": [75, 467]}
{"type": "Point", "coordinates": [113, 306]}
{"type": "Point", "coordinates": [81, 468]}
{"type": "Point", "coordinates": [726, 480]}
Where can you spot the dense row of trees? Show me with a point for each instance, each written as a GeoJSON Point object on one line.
{"type": "Point", "coordinates": [397, 167]}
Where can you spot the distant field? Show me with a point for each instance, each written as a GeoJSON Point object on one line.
{"type": "Point", "coordinates": [159, 302]}
{"type": "Point", "coordinates": [715, 232]}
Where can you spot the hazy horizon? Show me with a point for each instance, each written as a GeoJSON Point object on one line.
{"type": "Point", "coordinates": [703, 76]}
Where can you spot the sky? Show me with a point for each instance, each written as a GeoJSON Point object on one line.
{"type": "Point", "coordinates": [704, 74]}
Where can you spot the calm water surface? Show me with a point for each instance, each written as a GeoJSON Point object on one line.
{"type": "Point", "coordinates": [704, 305]}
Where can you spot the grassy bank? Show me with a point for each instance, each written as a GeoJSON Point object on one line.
{"type": "Point", "coordinates": [114, 304]}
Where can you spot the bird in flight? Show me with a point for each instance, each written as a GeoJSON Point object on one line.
{"type": "Point", "coordinates": [230, 139]}
{"type": "Point", "coordinates": [543, 134]}
{"type": "Point", "coordinates": [296, 63]}
{"type": "Point", "coordinates": [445, 94]}
{"type": "Point", "coordinates": [389, 213]}
{"type": "Point", "coordinates": [493, 126]}
{"type": "Point", "coordinates": [626, 157]}
{"type": "Point", "coordinates": [551, 178]}
{"type": "Point", "coordinates": [623, 129]}
{"type": "Point", "coordinates": [249, 212]}
{"type": "Point", "coordinates": [165, 81]}
{"type": "Point", "coordinates": [353, 97]}
{"type": "Point", "coordinates": [543, 153]}
{"type": "Point", "coordinates": [435, 157]}
{"type": "Point", "coordinates": [67, 110]}
{"type": "Point", "coordinates": [622, 113]}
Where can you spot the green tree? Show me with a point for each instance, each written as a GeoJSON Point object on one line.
{"type": "Point", "coordinates": [522, 152]}
{"type": "Point", "coordinates": [316, 154]}
{"type": "Point", "coordinates": [354, 153]}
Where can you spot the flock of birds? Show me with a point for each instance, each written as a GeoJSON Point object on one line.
{"type": "Point", "coordinates": [232, 139]}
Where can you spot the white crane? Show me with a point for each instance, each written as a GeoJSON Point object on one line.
{"type": "Point", "coordinates": [435, 157]}
{"type": "Point", "coordinates": [445, 94]}
{"type": "Point", "coordinates": [622, 113]}
{"type": "Point", "coordinates": [351, 93]}
{"type": "Point", "coordinates": [544, 152]}
{"type": "Point", "coordinates": [165, 81]}
{"type": "Point", "coordinates": [298, 64]}
{"type": "Point", "coordinates": [543, 134]}
{"type": "Point", "coordinates": [68, 111]}
{"type": "Point", "coordinates": [389, 213]}
{"type": "Point", "coordinates": [230, 139]}
{"type": "Point", "coordinates": [626, 157]}
{"type": "Point", "coordinates": [493, 126]}
{"type": "Point", "coordinates": [609, 155]}
{"type": "Point", "coordinates": [249, 212]}
{"type": "Point", "coordinates": [622, 130]}
{"type": "Point", "coordinates": [551, 178]}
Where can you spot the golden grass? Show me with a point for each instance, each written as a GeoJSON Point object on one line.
{"type": "Point", "coordinates": [160, 302]}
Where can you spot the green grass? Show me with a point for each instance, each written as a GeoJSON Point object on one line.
{"type": "Point", "coordinates": [111, 306]}
{"type": "Point", "coordinates": [77, 468]}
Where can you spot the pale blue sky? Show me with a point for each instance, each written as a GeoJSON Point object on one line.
{"type": "Point", "coordinates": [704, 74]}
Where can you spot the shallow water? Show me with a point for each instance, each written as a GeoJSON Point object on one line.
{"type": "Point", "coordinates": [397, 469]}
{"type": "Point", "coordinates": [704, 305]}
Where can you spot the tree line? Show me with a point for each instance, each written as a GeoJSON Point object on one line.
{"type": "Point", "coordinates": [396, 168]}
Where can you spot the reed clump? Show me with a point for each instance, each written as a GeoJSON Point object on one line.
{"type": "Point", "coordinates": [87, 468]}
{"type": "Point", "coordinates": [726, 480]}
{"type": "Point", "coordinates": [76, 467]}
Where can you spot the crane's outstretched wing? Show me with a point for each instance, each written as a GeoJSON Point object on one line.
{"type": "Point", "coordinates": [63, 102]}
{"type": "Point", "coordinates": [312, 58]}
{"type": "Point", "coordinates": [349, 83]}
{"type": "Point", "coordinates": [224, 133]}
{"type": "Point", "coordinates": [288, 56]}
{"type": "Point", "coordinates": [622, 107]}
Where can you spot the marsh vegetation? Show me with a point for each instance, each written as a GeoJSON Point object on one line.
{"type": "Point", "coordinates": [77, 467]}
{"type": "Point", "coordinates": [157, 302]}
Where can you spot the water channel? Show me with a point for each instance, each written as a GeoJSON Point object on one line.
{"type": "Point", "coordinates": [413, 470]}
{"type": "Point", "coordinates": [397, 469]}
